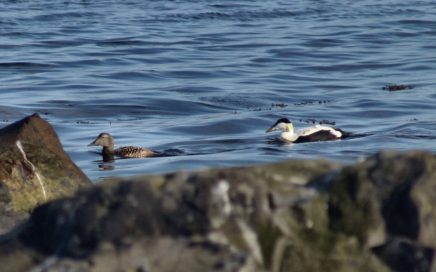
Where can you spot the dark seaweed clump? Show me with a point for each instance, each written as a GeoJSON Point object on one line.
{"type": "Point", "coordinates": [397, 87]}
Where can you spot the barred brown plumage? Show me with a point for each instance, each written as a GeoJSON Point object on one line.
{"type": "Point", "coordinates": [133, 152]}
{"type": "Point", "coordinates": [107, 142]}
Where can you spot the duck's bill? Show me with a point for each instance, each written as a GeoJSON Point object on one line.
{"type": "Point", "coordinates": [271, 129]}
{"type": "Point", "coordinates": [93, 143]}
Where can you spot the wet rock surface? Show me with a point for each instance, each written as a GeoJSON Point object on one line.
{"type": "Point", "coordinates": [33, 169]}
{"type": "Point", "coordinates": [298, 215]}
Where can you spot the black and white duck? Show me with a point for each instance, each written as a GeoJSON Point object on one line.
{"type": "Point", "coordinates": [309, 134]}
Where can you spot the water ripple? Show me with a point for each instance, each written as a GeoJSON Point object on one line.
{"type": "Point", "coordinates": [208, 77]}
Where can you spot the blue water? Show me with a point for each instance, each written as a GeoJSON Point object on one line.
{"type": "Point", "coordinates": [208, 77]}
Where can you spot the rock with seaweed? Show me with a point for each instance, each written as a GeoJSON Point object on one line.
{"type": "Point", "coordinates": [33, 168]}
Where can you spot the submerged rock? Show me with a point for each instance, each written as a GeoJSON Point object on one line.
{"type": "Point", "coordinates": [293, 216]}
{"type": "Point", "coordinates": [33, 167]}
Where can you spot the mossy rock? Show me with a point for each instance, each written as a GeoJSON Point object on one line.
{"type": "Point", "coordinates": [33, 165]}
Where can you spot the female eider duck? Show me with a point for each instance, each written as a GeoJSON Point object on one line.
{"type": "Point", "coordinates": [107, 142]}
{"type": "Point", "coordinates": [309, 134]}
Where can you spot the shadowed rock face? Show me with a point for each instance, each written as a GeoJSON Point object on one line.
{"type": "Point", "coordinates": [387, 203]}
{"type": "Point", "coordinates": [33, 166]}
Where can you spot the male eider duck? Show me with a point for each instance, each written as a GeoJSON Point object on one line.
{"type": "Point", "coordinates": [309, 134]}
{"type": "Point", "coordinates": [107, 142]}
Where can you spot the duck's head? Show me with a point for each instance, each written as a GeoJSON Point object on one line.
{"type": "Point", "coordinates": [104, 139]}
{"type": "Point", "coordinates": [283, 124]}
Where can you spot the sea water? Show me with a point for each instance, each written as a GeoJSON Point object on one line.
{"type": "Point", "coordinates": [203, 80]}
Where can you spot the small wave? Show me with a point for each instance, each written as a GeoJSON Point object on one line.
{"type": "Point", "coordinates": [237, 101]}
{"type": "Point", "coordinates": [229, 5]}
{"type": "Point", "coordinates": [131, 75]}
{"type": "Point", "coordinates": [191, 74]}
{"type": "Point", "coordinates": [65, 15]}
{"type": "Point", "coordinates": [24, 65]}
{"type": "Point", "coordinates": [120, 42]}
{"type": "Point", "coordinates": [416, 136]}
{"type": "Point", "coordinates": [171, 152]}
{"type": "Point", "coordinates": [61, 43]}
{"type": "Point", "coordinates": [419, 23]}
{"type": "Point", "coordinates": [233, 16]}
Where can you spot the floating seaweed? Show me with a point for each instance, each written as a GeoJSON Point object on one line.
{"type": "Point", "coordinates": [397, 87]}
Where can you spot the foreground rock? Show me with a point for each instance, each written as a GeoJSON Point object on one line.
{"type": "Point", "coordinates": [218, 220]}
{"type": "Point", "coordinates": [293, 216]}
{"type": "Point", "coordinates": [387, 203]}
{"type": "Point", "coordinates": [33, 168]}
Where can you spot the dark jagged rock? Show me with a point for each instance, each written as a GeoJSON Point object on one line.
{"type": "Point", "coordinates": [33, 167]}
{"type": "Point", "coordinates": [403, 255]}
{"type": "Point", "coordinates": [294, 216]}
{"type": "Point", "coordinates": [389, 197]}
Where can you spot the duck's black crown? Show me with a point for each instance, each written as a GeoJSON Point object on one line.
{"type": "Point", "coordinates": [283, 120]}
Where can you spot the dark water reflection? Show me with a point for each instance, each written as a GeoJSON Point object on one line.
{"type": "Point", "coordinates": [208, 77]}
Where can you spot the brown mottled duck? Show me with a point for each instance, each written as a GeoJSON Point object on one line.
{"type": "Point", "coordinates": [107, 142]}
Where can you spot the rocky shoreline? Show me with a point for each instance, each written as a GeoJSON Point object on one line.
{"type": "Point", "coordinates": [299, 215]}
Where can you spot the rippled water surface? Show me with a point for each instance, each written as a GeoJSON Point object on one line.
{"type": "Point", "coordinates": [206, 78]}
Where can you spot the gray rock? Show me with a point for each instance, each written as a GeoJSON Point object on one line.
{"type": "Point", "coordinates": [209, 218]}
{"type": "Point", "coordinates": [292, 216]}
{"type": "Point", "coordinates": [389, 197]}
